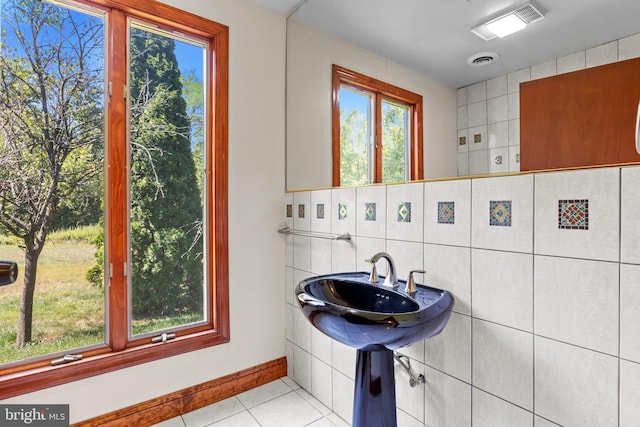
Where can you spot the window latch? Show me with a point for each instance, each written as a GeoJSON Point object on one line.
{"type": "Point", "coordinates": [163, 338]}
{"type": "Point", "coordinates": [67, 358]}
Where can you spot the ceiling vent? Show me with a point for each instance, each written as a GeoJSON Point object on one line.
{"type": "Point", "coordinates": [508, 21]}
{"type": "Point", "coordinates": [484, 58]}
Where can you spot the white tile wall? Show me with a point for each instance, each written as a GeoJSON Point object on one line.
{"type": "Point", "coordinates": [496, 87]}
{"type": "Point", "coordinates": [541, 422]}
{"type": "Point", "coordinates": [449, 267]}
{"type": "Point", "coordinates": [322, 223]}
{"type": "Point", "coordinates": [630, 312]}
{"type": "Point", "coordinates": [302, 219]}
{"type": "Point", "coordinates": [490, 411]}
{"type": "Point", "coordinates": [343, 387]}
{"type": "Point", "coordinates": [477, 92]}
{"type": "Point", "coordinates": [498, 132]}
{"type": "Point", "coordinates": [630, 220]}
{"type": "Point", "coordinates": [447, 400]}
{"type": "Point", "coordinates": [629, 47]}
{"type": "Point", "coordinates": [503, 288]}
{"type": "Point", "coordinates": [603, 54]}
{"type": "Point", "coordinates": [405, 230]}
{"type": "Point", "coordinates": [477, 114]}
{"type": "Point", "coordinates": [629, 393]}
{"type": "Point", "coordinates": [376, 225]}
{"type": "Point", "coordinates": [450, 351]}
{"type": "Point", "coordinates": [478, 139]}
{"type": "Point", "coordinates": [542, 334]}
{"type": "Point", "coordinates": [600, 188]}
{"type": "Point", "coordinates": [503, 362]}
{"type": "Point", "coordinates": [484, 102]}
{"type": "Point", "coordinates": [574, 62]}
{"type": "Point", "coordinates": [575, 386]}
{"type": "Point", "coordinates": [410, 399]}
{"type": "Point", "coordinates": [478, 162]}
{"type": "Point", "coordinates": [498, 160]}
{"type": "Point", "coordinates": [518, 190]}
{"type": "Point", "coordinates": [458, 192]}
{"type": "Point", "coordinates": [407, 256]}
{"type": "Point", "coordinates": [366, 247]}
{"type": "Point", "coordinates": [463, 164]}
{"type": "Point", "coordinates": [321, 384]}
{"type": "Point", "coordinates": [576, 301]}
{"type": "Point", "coordinates": [346, 224]}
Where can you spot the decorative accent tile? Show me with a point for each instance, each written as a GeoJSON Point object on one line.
{"type": "Point", "coordinates": [500, 213]}
{"type": "Point", "coordinates": [320, 211]}
{"type": "Point", "coordinates": [573, 214]}
{"type": "Point", "coordinates": [300, 211]}
{"type": "Point", "coordinates": [446, 212]}
{"type": "Point", "coordinates": [369, 211]}
{"type": "Point", "coordinates": [404, 212]}
{"type": "Point", "coordinates": [497, 160]}
{"type": "Point", "coordinates": [518, 158]}
{"type": "Point", "coordinates": [342, 210]}
{"type": "Point", "coordinates": [462, 140]}
{"type": "Point", "coordinates": [289, 211]}
{"type": "Point", "coordinates": [477, 138]}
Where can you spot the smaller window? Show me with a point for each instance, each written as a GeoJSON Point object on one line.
{"type": "Point", "coordinates": [377, 131]}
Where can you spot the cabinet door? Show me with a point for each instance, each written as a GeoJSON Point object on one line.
{"type": "Point", "coordinates": [584, 118]}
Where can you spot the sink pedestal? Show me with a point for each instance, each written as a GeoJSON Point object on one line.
{"type": "Point", "coordinates": [374, 402]}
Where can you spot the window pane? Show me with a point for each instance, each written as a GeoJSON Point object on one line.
{"type": "Point", "coordinates": [167, 281]}
{"type": "Point", "coordinates": [395, 131]}
{"type": "Point", "coordinates": [51, 177]}
{"type": "Point", "coordinates": [355, 134]}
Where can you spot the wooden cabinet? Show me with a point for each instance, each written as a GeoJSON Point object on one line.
{"type": "Point", "coordinates": [583, 118]}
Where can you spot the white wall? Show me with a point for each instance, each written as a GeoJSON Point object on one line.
{"type": "Point", "coordinates": [491, 108]}
{"type": "Point", "coordinates": [256, 251]}
{"type": "Point", "coordinates": [310, 54]}
{"type": "Point", "coordinates": [545, 326]}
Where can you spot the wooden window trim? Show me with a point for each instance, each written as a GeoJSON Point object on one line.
{"type": "Point", "coordinates": [23, 378]}
{"type": "Point", "coordinates": [382, 90]}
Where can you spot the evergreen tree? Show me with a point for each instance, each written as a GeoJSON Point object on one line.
{"type": "Point", "coordinates": [166, 207]}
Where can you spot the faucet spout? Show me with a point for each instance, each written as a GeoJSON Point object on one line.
{"type": "Point", "coordinates": [391, 280]}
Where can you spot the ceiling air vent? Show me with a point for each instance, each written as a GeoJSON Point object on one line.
{"type": "Point", "coordinates": [528, 13]}
{"type": "Point", "coordinates": [484, 58]}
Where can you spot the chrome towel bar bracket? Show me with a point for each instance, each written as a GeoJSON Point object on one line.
{"type": "Point", "coordinates": [286, 230]}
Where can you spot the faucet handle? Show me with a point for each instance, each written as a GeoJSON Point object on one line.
{"type": "Point", "coordinates": [373, 277]}
{"type": "Point", "coordinates": [411, 284]}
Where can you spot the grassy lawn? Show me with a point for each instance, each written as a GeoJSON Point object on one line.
{"type": "Point", "coordinates": [68, 311]}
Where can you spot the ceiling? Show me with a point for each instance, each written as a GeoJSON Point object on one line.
{"type": "Point", "coordinates": [433, 37]}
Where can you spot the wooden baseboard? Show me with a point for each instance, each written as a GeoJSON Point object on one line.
{"type": "Point", "coordinates": [171, 405]}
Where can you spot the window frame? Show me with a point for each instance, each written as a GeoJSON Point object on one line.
{"type": "Point", "coordinates": [380, 91]}
{"type": "Point", "coordinates": [19, 378]}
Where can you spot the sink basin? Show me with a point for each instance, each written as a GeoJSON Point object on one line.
{"type": "Point", "coordinates": [370, 317]}
{"type": "Point", "coordinates": [376, 320]}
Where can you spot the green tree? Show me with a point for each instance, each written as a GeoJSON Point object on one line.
{"type": "Point", "coordinates": [166, 207]}
{"type": "Point", "coordinates": [193, 93]}
{"type": "Point", "coordinates": [354, 158]}
{"type": "Point", "coordinates": [394, 128]}
{"type": "Point", "coordinates": [51, 81]}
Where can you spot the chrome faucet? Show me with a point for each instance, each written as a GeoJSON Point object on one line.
{"type": "Point", "coordinates": [392, 279]}
{"type": "Point", "coordinates": [411, 289]}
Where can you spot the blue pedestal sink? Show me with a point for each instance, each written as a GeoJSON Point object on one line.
{"type": "Point", "coordinates": [375, 320]}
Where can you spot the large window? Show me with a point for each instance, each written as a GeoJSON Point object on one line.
{"type": "Point", "coordinates": [113, 196]}
{"type": "Point", "coordinates": [377, 131]}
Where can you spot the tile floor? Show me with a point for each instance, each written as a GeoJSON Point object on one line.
{"type": "Point", "coordinates": [280, 403]}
